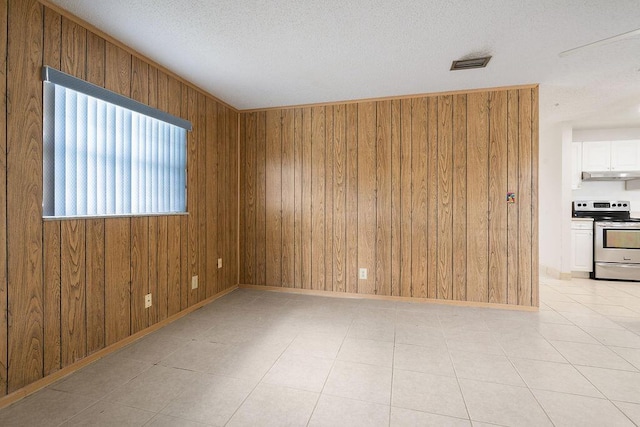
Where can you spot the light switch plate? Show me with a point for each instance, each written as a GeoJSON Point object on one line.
{"type": "Point", "coordinates": [194, 282]}
{"type": "Point", "coordinates": [219, 262]}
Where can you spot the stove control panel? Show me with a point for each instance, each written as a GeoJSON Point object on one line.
{"type": "Point", "coordinates": [602, 205]}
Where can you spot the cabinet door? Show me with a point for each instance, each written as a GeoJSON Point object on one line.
{"type": "Point", "coordinates": [625, 155]}
{"type": "Point", "coordinates": [596, 156]}
{"type": "Point", "coordinates": [582, 250]}
{"type": "Point", "coordinates": [576, 165]}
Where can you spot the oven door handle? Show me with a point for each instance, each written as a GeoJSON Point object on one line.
{"type": "Point", "coordinates": [617, 225]}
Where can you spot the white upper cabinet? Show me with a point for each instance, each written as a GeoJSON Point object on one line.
{"type": "Point", "coordinates": [625, 155]}
{"type": "Point", "coordinates": [601, 156]}
{"type": "Point", "coordinates": [596, 156]}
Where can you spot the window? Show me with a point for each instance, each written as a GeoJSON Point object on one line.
{"type": "Point", "coordinates": [105, 154]}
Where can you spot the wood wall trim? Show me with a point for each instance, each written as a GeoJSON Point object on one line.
{"type": "Point", "coordinates": [3, 200]}
{"type": "Point", "coordinates": [238, 191]}
{"type": "Point", "coordinates": [392, 97]}
{"type": "Point", "coordinates": [350, 295]}
{"type": "Point", "coordinates": [67, 370]}
{"type": "Point", "coordinates": [65, 13]}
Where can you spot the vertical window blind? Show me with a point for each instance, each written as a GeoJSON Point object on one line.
{"type": "Point", "coordinates": [105, 154]}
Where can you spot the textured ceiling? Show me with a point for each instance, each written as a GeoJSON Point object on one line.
{"type": "Point", "coordinates": [261, 53]}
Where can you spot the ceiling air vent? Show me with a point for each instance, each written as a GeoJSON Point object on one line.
{"type": "Point", "coordinates": [467, 64]}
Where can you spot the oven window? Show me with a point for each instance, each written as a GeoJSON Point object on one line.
{"type": "Point", "coordinates": [622, 239]}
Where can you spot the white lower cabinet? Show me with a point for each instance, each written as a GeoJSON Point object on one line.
{"type": "Point", "coordinates": [581, 246]}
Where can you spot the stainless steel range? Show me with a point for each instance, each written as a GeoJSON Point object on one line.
{"type": "Point", "coordinates": [616, 238]}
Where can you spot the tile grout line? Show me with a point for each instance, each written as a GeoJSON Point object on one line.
{"type": "Point", "coordinates": [333, 363]}
{"type": "Point", "coordinates": [261, 378]}
{"type": "Point", "coordinates": [103, 398]}
{"type": "Point", "coordinates": [580, 372]}
{"type": "Point", "coordinates": [393, 361]}
{"type": "Point", "coordinates": [455, 372]}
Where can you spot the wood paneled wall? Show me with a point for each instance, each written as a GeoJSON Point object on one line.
{"type": "Point", "coordinates": [413, 189]}
{"type": "Point", "coordinates": [71, 287]}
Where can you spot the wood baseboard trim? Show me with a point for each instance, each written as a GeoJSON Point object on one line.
{"type": "Point", "coordinates": [67, 370]}
{"type": "Point", "coordinates": [391, 298]}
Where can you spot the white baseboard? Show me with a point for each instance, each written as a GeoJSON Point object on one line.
{"type": "Point", "coordinates": [555, 273]}
{"type": "Point", "coordinates": [580, 274]}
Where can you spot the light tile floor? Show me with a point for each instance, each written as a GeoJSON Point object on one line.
{"type": "Point", "coordinates": [258, 358]}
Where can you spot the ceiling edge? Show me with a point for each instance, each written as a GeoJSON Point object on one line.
{"type": "Point", "coordinates": [390, 98]}
{"type": "Point", "coordinates": [130, 50]}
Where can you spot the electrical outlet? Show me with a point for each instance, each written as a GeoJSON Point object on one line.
{"type": "Point", "coordinates": [362, 274]}
{"type": "Point", "coordinates": [147, 301]}
{"type": "Point", "coordinates": [219, 262]}
{"type": "Point", "coordinates": [194, 282]}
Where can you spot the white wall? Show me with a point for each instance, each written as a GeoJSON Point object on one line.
{"type": "Point", "coordinates": [582, 135]}
{"type": "Point", "coordinates": [608, 190]}
{"type": "Point", "coordinates": [565, 191]}
{"type": "Point", "coordinates": [554, 187]}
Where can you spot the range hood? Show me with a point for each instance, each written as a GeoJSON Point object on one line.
{"type": "Point", "coordinates": [610, 176]}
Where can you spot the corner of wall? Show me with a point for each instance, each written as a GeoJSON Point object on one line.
{"type": "Point", "coordinates": [554, 273]}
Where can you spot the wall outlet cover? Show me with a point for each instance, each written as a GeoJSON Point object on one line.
{"type": "Point", "coordinates": [147, 301]}
{"type": "Point", "coordinates": [362, 274]}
